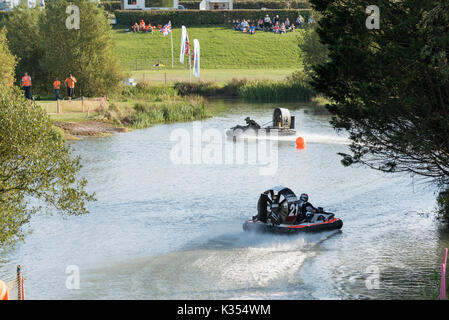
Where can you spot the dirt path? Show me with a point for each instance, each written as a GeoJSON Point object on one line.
{"type": "Point", "coordinates": [89, 128]}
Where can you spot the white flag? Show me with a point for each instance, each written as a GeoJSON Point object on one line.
{"type": "Point", "coordinates": [196, 59]}
{"type": "Point", "coordinates": [184, 44]}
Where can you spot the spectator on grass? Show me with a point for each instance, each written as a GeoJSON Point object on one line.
{"type": "Point", "coordinates": [70, 84]}
{"type": "Point", "coordinates": [135, 27]}
{"type": "Point", "coordinates": [26, 84]}
{"type": "Point", "coordinates": [237, 25]}
{"type": "Point", "coordinates": [300, 21]}
{"type": "Point", "coordinates": [57, 87]}
{"type": "Point", "coordinates": [276, 28]}
{"type": "Point", "coordinates": [276, 19]}
{"type": "Point", "coordinates": [267, 22]}
{"type": "Point", "coordinates": [252, 29]}
{"type": "Point", "coordinates": [282, 28]}
{"type": "Point", "coordinates": [142, 26]}
{"type": "Point", "coordinates": [260, 24]}
{"type": "Point", "coordinates": [244, 25]}
{"type": "Point", "coordinates": [287, 23]}
{"type": "Point", "coordinates": [310, 22]}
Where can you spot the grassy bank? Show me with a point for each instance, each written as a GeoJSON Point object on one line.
{"type": "Point", "coordinates": [293, 88]}
{"type": "Point", "coordinates": [221, 49]}
{"type": "Point", "coordinates": [133, 107]}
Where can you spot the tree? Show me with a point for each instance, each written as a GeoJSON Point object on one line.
{"type": "Point", "coordinates": [312, 51]}
{"type": "Point", "coordinates": [86, 52]}
{"type": "Point", "coordinates": [23, 37]}
{"type": "Point", "coordinates": [8, 61]}
{"type": "Point", "coordinates": [390, 85]}
{"type": "Point", "coordinates": [35, 167]}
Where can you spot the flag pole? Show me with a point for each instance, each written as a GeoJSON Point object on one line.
{"type": "Point", "coordinates": [171, 36]}
{"type": "Point", "coordinates": [190, 66]}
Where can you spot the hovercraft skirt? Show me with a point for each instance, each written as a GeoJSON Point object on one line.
{"type": "Point", "coordinates": [259, 226]}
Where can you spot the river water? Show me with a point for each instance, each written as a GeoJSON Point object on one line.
{"type": "Point", "coordinates": [161, 230]}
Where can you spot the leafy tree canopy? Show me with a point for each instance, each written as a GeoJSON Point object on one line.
{"type": "Point", "coordinates": [389, 86]}
{"type": "Point", "coordinates": [36, 168]}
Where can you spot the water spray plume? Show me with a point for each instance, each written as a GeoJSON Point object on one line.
{"type": "Point", "coordinates": [300, 143]}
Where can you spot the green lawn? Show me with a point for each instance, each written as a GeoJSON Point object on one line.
{"type": "Point", "coordinates": [225, 54]}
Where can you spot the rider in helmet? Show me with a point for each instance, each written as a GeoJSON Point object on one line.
{"type": "Point", "coordinates": [306, 209]}
{"type": "Point", "coordinates": [252, 123]}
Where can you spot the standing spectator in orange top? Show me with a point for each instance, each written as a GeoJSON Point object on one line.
{"type": "Point", "coordinates": [57, 87]}
{"type": "Point", "coordinates": [26, 84]}
{"type": "Point", "coordinates": [70, 84]}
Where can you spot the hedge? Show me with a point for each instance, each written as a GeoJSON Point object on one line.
{"type": "Point", "coordinates": [256, 4]}
{"type": "Point", "coordinates": [111, 6]}
{"type": "Point", "coordinates": [202, 17]}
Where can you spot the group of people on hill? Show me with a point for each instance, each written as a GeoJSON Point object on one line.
{"type": "Point", "coordinates": [69, 82]}
{"type": "Point", "coordinates": [271, 24]}
{"type": "Point", "coordinates": [142, 27]}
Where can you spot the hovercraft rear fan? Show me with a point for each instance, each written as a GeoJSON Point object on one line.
{"type": "Point", "coordinates": [279, 204]}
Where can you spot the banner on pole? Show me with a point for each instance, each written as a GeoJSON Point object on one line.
{"type": "Point", "coordinates": [196, 59]}
{"type": "Point", "coordinates": [185, 47]}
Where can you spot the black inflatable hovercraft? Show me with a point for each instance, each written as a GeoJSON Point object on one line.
{"type": "Point", "coordinates": [278, 211]}
{"type": "Point", "coordinates": [282, 121]}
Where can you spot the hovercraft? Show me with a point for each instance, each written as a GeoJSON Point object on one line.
{"type": "Point", "coordinates": [282, 121]}
{"type": "Point", "coordinates": [277, 212]}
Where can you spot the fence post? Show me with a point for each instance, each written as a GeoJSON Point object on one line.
{"type": "Point", "coordinates": [20, 291]}
{"type": "Point", "coordinates": [443, 277]}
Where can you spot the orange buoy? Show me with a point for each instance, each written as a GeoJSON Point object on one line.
{"type": "Point", "coordinates": [300, 143]}
{"type": "Point", "coordinates": [4, 293]}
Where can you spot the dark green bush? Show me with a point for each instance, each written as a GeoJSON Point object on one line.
{"type": "Point", "coordinates": [111, 6]}
{"type": "Point", "coordinates": [202, 17]}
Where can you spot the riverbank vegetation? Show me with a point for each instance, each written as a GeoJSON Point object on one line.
{"type": "Point", "coordinates": [145, 105]}
{"type": "Point", "coordinates": [392, 98]}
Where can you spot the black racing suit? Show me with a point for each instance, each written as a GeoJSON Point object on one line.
{"type": "Point", "coordinates": [305, 211]}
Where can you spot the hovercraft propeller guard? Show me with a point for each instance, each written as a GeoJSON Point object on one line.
{"type": "Point", "coordinates": [277, 212]}
{"type": "Point", "coordinates": [282, 121]}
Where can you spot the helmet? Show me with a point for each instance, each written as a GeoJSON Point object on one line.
{"type": "Point", "coordinates": [304, 197]}
{"type": "Point", "coordinates": [247, 119]}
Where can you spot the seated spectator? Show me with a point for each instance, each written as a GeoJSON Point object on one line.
{"type": "Point", "coordinates": [142, 26]}
{"type": "Point", "coordinates": [237, 25]}
{"type": "Point", "coordinates": [260, 24]}
{"type": "Point", "coordinates": [282, 28]}
{"type": "Point", "coordinates": [149, 28]}
{"type": "Point", "coordinates": [287, 23]}
{"type": "Point", "coordinates": [300, 21]}
{"type": "Point", "coordinates": [267, 22]}
{"type": "Point", "coordinates": [276, 28]}
{"type": "Point", "coordinates": [252, 29]}
{"type": "Point", "coordinates": [135, 27]}
{"type": "Point", "coordinates": [310, 22]}
{"type": "Point", "coordinates": [244, 24]}
{"type": "Point", "coordinates": [276, 19]}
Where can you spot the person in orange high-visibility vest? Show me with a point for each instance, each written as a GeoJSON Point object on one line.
{"type": "Point", "coordinates": [57, 87]}
{"type": "Point", "coordinates": [26, 84]}
{"type": "Point", "coordinates": [70, 84]}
